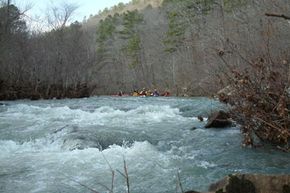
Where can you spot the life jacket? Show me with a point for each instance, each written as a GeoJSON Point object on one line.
{"type": "Point", "coordinates": [143, 92]}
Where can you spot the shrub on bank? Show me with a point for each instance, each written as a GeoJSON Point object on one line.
{"type": "Point", "coordinates": [260, 101]}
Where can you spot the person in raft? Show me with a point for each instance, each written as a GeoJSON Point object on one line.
{"type": "Point", "coordinates": [143, 92]}
{"type": "Point", "coordinates": [135, 93]}
{"type": "Point", "coordinates": [155, 93]}
{"type": "Point", "coordinates": [166, 94]}
{"type": "Point", "coordinates": [148, 93]}
{"type": "Point", "coordinates": [120, 93]}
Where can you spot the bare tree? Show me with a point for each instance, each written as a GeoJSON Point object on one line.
{"type": "Point", "coordinates": [59, 16]}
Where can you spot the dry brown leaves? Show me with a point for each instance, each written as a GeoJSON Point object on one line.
{"type": "Point", "coordinates": [260, 102]}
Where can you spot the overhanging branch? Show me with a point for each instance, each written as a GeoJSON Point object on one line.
{"type": "Point", "coordinates": [277, 15]}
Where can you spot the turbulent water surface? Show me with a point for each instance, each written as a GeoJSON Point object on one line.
{"type": "Point", "coordinates": [55, 146]}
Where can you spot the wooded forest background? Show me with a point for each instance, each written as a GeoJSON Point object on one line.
{"type": "Point", "coordinates": [173, 45]}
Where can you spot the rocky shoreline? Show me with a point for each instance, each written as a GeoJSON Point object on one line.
{"type": "Point", "coordinates": [250, 183]}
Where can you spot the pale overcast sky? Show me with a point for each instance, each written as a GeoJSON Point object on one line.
{"type": "Point", "coordinates": [86, 7]}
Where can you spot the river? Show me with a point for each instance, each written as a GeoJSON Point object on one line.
{"type": "Point", "coordinates": [52, 146]}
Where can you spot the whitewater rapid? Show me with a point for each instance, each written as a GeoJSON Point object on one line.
{"type": "Point", "coordinates": [54, 146]}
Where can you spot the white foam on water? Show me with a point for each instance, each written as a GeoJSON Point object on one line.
{"type": "Point", "coordinates": [146, 113]}
{"type": "Point", "coordinates": [206, 165]}
{"type": "Point", "coordinates": [101, 116]}
{"type": "Point", "coordinates": [145, 163]}
{"type": "Point", "coordinates": [8, 147]}
{"type": "Point", "coordinates": [49, 143]}
{"type": "Point", "coordinates": [42, 147]}
{"type": "Point", "coordinates": [43, 164]}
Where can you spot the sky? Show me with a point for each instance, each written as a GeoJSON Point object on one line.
{"type": "Point", "coordinates": [85, 7]}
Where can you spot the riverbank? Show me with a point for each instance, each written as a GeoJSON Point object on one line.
{"type": "Point", "coordinates": [55, 92]}
{"type": "Point", "coordinates": [36, 92]}
{"type": "Point", "coordinates": [58, 91]}
{"type": "Point", "coordinates": [251, 183]}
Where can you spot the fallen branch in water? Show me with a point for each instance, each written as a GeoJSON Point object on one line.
{"type": "Point", "coordinates": [179, 182]}
{"type": "Point", "coordinates": [85, 186]}
{"type": "Point", "coordinates": [60, 129]}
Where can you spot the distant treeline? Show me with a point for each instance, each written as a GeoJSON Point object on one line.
{"type": "Point", "coordinates": [42, 65]}
{"type": "Point", "coordinates": [171, 45]}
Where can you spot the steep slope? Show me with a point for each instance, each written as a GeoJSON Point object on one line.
{"type": "Point", "coordinates": [182, 46]}
{"type": "Point", "coordinates": [175, 45]}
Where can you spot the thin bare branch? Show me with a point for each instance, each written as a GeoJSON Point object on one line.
{"type": "Point", "coordinates": [127, 176]}
{"type": "Point", "coordinates": [113, 174]}
{"type": "Point", "coordinates": [59, 16]}
{"type": "Point", "coordinates": [179, 182]}
{"type": "Point", "coordinates": [277, 15]}
{"type": "Point", "coordinates": [85, 186]}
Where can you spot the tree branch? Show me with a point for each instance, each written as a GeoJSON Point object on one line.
{"type": "Point", "coordinates": [277, 15]}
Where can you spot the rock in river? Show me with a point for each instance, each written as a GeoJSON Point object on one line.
{"type": "Point", "coordinates": [252, 183]}
{"type": "Point", "coordinates": [219, 119]}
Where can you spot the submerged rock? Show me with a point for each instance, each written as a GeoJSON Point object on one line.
{"type": "Point", "coordinates": [193, 128]}
{"type": "Point", "coordinates": [219, 119]}
{"type": "Point", "coordinates": [252, 183]}
{"type": "Point", "coordinates": [200, 118]}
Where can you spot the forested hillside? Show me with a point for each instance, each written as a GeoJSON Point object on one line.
{"type": "Point", "coordinates": [173, 45]}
